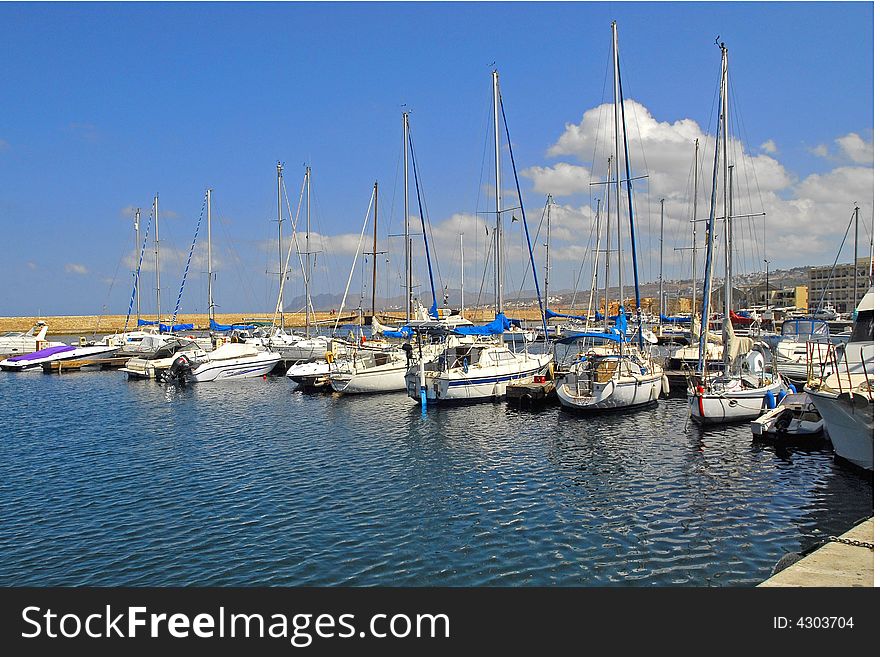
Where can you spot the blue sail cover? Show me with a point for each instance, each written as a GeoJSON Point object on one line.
{"type": "Point", "coordinates": [230, 327]}
{"type": "Point", "coordinates": [549, 314]}
{"type": "Point", "coordinates": [620, 324]}
{"type": "Point", "coordinates": [433, 312]}
{"type": "Point", "coordinates": [675, 320]}
{"type": "Point", "coordinates": [166, 327]}
{"type": "Point", "coordinates": [496, 327]}
{"type": "Point", "coordinates": [577, 337]}
{"type": "Point", "coordinates": [402, 332]}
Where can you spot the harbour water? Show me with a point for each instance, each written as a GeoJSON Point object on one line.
{"type": "Point", "coordinates": [110, 483]}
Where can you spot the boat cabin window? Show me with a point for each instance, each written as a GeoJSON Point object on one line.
{"type": "Point", "coordinates": [381, 359]}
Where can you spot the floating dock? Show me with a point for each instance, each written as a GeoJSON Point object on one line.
{"type": "Point", "coordinates": [536, 393]}
{"type": "Point", "coordinates": [843, 561]}
{"type": "Point", "coordinates": [59, 366]}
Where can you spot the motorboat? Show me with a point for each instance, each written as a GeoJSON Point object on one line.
{"type": "Point", "coordinates": [16, 344]}
{"type": "Point", "coordinates": [229, 361]}
{"type": "Point", "coordinates": [157, 353]}
{"type": "Point", "coordinates": [33, 362]}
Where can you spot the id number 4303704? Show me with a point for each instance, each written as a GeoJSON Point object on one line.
{"type": "Point", "coordinates": [813, 622]}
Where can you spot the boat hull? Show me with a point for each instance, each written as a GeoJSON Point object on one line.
{"type": "Point", "coordinates": [234, 368]}
{"type": "Point", "coordinates": [625, 392]}
{"type": "Point", "coordinates": [732, 405]}
{"type": "Point", "coordinates": [370, 381]}
{"type": "Point", "coordinates": [849, 422]}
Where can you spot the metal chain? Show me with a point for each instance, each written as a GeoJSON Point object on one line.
{"type": "Point", "coordinates": [847, 541]}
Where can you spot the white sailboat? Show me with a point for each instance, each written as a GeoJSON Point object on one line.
{"type": "Point", "coordinates": [627, 377]}
{"type": "Point", "coordinates": [844, 393]}
{"type": "Point", "coordinates": [743, 389]}
{"type": "Point", "coordinates": [481, 366]}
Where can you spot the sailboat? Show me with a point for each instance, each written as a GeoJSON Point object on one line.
{"type": "Point", "coordinates": [747, 385]}
{"type": "Point", "coordinates": [627, 376]}
{"type": "Point", "coordinates": [475, 363]}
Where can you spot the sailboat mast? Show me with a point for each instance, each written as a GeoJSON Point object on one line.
{"type": "Point", "coordinates": [279, 168]}
{"type": "Point", "coordinates": [594, 279]}
{"type": "Point", "coordinates": [137, 250]}
{"type": "Point", "coordinates": [210, 272]}
{"type": "Point", "coordinates": [607, 241]}
{"type": "Point", "coordinates": [375, 239]}
{"type": "Point", "coordinates": [694, 246]}
{"type": "Point", "coordinates": [728, 244]}
{"type": "Point", "coordinates": [499, 241]}
{"type": "Point", "coordinates": [407, 245]}
{"type": "Point", "coordinates": [856, 264]}
{"type": "Point", "coordinates": [617, 160]}
{"type": "Point", "coordinates": [158, 286]}
{"type": "Point", "coordinates": [547, 264]}
{"type": "Point", "coordinates": [662, 204]}
{"type": "Point", "coordinates": [308, 249]}
{"type": "Point", "coordinates": [461, 257]}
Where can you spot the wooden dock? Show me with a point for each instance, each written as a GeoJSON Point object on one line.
{"type": "Point", "coordinates": [528, 395]}
{"type": "Point", "coordinates": [843, 561]}
{"type": "Point", "coordinates": [59, 366]}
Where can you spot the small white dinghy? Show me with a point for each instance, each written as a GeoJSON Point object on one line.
{"type": "Point", "coordinates": [796, 417]}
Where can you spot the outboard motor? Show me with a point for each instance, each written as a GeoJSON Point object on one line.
{"type": "Point", "coordinates": [179, 370]}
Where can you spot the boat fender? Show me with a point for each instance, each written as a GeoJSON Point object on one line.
{"type": "Point", "coordinates": [551, 370]}
{"type": "Point", "coordinates": [328, 356]}
{"type": "Point", "coordinates": [780, 396]}
{"type": "Point", "coordinates": [769, 400]}
{"type": "Point", "coordinates": [664, 385]}
{"type": "Point", "coordinates": [792, 389]}
{"type": "Point", "coordinates": [464, 364]}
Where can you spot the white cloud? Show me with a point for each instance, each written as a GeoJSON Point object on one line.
{"type": "Point", "coordinates": [856, 149]}
{"type": "Point", "coordinates": [819, 151]}
{"type": "Point", "coordinates": [32, 265]}
{"type": "Point", "coordinates": [75, 268]}
{"type": "Point", "coordinates": [769, 146]}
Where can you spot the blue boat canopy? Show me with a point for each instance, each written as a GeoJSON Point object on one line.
{"type": "Point", "coordinates": [165, 327]}
{"type": "Point", "coordinates": [549, 314]}
{"type": "Point", "coordinates": [230, 327]}
{"type": "Point", "coordinates": [402, 332]}
{"type": "Point", "coordinates": [675, 320]}
{"type": "Point", "coordinates": [595, 335]}
{"type": "Point", "coordinates": [496, 327]}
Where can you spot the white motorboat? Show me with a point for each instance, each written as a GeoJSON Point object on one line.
{"type": "Point", "coordinates": [229, 361]}
{"type": "Point", "coordinates": [793, 359]}
{"type": "Point", "coordinates": [844, 393]}
{"type": "Point", "coordinates": [85, 354]}
{"type": "Point", "coordinates": [158, 353]}
{"type": "Point", "coordinates": [311, 374]}
{"type": "Point", "coordinates": [16, 344]}
{"type": "Point", "coordinates": [371, 370]}
{"type": "Point", "coordinates": [33, 362]}
{"type": "Point", "coordinates": [795, 418]}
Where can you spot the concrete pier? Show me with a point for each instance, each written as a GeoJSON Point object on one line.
{"type": "Point", "coordinates": [833, 564]}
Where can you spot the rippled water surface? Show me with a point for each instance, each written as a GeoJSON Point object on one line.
{"type": "Point", "coordinates": [109, 482]}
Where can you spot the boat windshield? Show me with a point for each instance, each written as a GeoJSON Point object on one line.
{"type": "Point", "coordinates": [805, 328]}
{"type": "Point", "coordinates": [863, 328]}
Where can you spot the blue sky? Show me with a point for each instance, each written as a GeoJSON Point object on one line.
{"type": "Point", "coordinates": [106, 104]}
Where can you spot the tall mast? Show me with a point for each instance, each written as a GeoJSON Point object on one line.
{"type": "Point", "coordinates": [594, 279]}
{"type": "Point", "coordinates": [279, 168]}
{"type": "Point", "coordinates": [461, 256]}
{"type": "Point", "coordinates": [499, 234]}
{"type": "Point", "coordinates": [308, 250]}
{"type": "Point", "coordinates": [617, 101]}
{"type": "Point", "coordinates": [607, 241]}
{"type": "Point", "coordinates": [662, 203]}
{"type": "Point", "coordinates": [137, 250]}
{"type": "Point", "coordinates": [375, 238]}
{"type": "Point", "coordinates": [210, 270]}
{"type": "Point", "coordinates": [158, 286]}
{"type": "Point", "coordinates": [728, 243]}
{"type": "Point", "coordinates": [407, 244]}
{"type": "Point", "coordinates": [694, 246]}
{"type": "Point", "coordinates": [856, 264]}
{"type": "Point", "coordinates": [547, 264]}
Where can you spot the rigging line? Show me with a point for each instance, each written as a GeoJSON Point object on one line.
{"type": "Point", "coordinates": [293, 242]}
{"type": "Point", "coordinates": [188, 261]}
{"type": "Point", "coordinates": [110, 290]}
{"type": "Point", "coordinates": [601, 111]}
{"type": "Point", "coordinates": [525, 223]}
{"type": "Point", "coordinates": [424, 227]}
{"type": "Point", "coordinates": [355, 261]}
{"type": "Point", "coordinates": [480, 196]}
{"type": "Point", "coordinates": [836, 258]}
{"type": "Point", "coordinates": [588, 249]}
{"type": "Point", "coordinates": [138, 270]}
